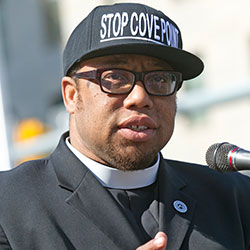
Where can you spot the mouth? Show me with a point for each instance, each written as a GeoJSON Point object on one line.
{"type": "Point", "coordinates": [138, 128]}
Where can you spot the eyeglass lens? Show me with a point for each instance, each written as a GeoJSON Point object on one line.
{"type": "Point", "coordinates": [121, 81]}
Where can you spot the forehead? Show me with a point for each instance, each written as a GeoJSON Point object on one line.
{"type": "Point", "coordinates": [127, 60]}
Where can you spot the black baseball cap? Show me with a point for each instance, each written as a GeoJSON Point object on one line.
{"type": "Point", "coordinates": [130, 28]}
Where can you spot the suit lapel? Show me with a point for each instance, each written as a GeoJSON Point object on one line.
{"type": "Point", "coordinates": [173, 220]}
{"type": "Point", "coordinates": [92, 200]}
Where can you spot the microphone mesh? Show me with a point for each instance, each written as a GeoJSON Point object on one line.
{"type": "Point", "coordinates": [217, 156]}
{"type": "Point", "coordinates": [210, 155]}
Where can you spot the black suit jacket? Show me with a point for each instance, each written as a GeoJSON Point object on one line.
{"type": "Point", "coordinates": [57, 204]}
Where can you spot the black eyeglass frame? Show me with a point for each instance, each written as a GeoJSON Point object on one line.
{"type": "Point", "coordinates": [138, 76]}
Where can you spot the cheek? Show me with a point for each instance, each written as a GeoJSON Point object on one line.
{"type": "Point", "coordinates": [166, 117]}
{"type": "Point", "coordinates": [96, 111]}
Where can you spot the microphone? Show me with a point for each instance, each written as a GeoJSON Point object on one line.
{"type": "Point", "coordinates": [226, 157]}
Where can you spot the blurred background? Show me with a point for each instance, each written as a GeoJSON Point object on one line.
{"type": "Point", "coordinates": [214, 107]}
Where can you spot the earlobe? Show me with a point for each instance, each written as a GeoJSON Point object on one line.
{"type": "Point", "coordinates": [69, 93]}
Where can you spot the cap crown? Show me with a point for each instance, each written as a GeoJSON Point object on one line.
{"type": "Point", "coordinates": [117, 24]}
{"type": "Point", "coordinates": [130, 28]}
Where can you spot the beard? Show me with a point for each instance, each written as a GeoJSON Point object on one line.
{"type": "Point", "coordinates": [128, 157]}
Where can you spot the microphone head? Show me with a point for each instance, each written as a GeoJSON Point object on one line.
{"type": "Point", "coordinates": [217, 156]}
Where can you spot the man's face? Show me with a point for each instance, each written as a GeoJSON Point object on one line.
{"type": "Point", "coordinates": [121, 131]}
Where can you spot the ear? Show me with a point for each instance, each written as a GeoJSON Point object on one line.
{"type": "Point", "coordinates": [69, 93]}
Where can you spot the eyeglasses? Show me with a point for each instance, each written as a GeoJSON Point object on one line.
{"type": "Point", "coordinates": [121, 81]}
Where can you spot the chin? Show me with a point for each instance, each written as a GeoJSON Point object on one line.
{"type": "Point", "coordinates": [135, 160]}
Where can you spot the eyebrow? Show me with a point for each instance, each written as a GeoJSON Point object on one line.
{"type": "Point", "coordinates": [115, 61]}
{"type": "Point", "coordinates": [160, 63]}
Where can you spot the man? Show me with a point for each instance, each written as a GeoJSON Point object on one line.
{"type": "Point", "coordinates": [106, 186]}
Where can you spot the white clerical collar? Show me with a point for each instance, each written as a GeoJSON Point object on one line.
{"type": "Point", "coordinates": [115, 178]}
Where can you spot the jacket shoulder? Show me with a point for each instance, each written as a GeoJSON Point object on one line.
{"type": "Point", "coordinates": [26, 174]}
{"type": "Point", "coordinates": [203, 171]}
{"type": "Point", "coordinates": [205, 179]}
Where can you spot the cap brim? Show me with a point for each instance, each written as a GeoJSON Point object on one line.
{"type": "Point", "coordinates": [182, 61]}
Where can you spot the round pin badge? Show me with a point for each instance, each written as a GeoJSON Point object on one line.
{"type": "Point", "coordinates": [180, 206]}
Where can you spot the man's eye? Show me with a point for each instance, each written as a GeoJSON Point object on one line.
{"type": "Point", "coordinates": [159, 79]}
{"type": "Point", "coordinates": [113, 76]}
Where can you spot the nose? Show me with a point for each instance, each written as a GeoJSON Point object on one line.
{"type": "Point", "coordinates": [138, 97]}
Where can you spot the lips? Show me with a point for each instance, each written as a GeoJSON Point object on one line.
{"type": "Point", "coordinates": [137, 128]}
{"type": "Point", "coordinates": [138, 121]}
